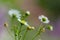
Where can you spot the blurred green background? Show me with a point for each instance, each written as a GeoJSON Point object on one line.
{"type": "Point", "coordinates": [50, 8]}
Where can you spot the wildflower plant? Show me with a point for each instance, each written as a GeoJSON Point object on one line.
{"type": "Point", "coordinates": [19, 27]}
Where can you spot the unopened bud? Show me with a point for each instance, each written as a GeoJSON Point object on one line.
{"type": "Point", "coordinates": [5, 24]}
{"type": "Point", "coordinates": [32, 28]}
{"type": "Point", "coordinates": [27, 13]}
{"type": "Point", "coordinates": [23, 22]}
{"type": "Point", "coordinates": [28, 28]}
{"type": "Point", "coordinates": [50, 27]}
{"type": "Point", "coordinates": [43, 30]}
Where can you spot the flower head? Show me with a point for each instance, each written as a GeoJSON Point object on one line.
{"type": "Point", "coordinates": [27, 13]}
{"type": "Point", "coordinates": [6, 24]}
{"type": "Point", "coordinates": [23, 22]}
{"type": "Point", "coordinates": [15, 13]}
{"type": "Point", "coordinates": [43, 30]}
{"type": "Point", "coordinates": [49, 27]}
{"type": "Point", "coordinates": [44, 19]}
{"type": "Point", "coordinates": [30, 28]}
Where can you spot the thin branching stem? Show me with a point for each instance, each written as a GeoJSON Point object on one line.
{"type": "Point", "coordinates": [38, 32]}
{"type": "Point", "coordinates": [19, 36]}
{"type": "Point", "coordinates": [25, 34]}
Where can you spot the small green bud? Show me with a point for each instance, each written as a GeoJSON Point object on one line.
{"type": "Point", "coordinates": [28, 28]}
{"type": "Point", "coordinates": [27, 13]}
{"type": "Point", "coordinates": [50, 27]}
{"type": "Point", "coordinates": [43, 30]}
{"type": "Point", "coordinates": [23, 22]}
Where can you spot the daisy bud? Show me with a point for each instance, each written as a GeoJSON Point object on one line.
{"type": "Point", "coordinates": [28, 28]}
{"type": "Point", "coordinates": [23, 22]}
{"type": "Point", "coordinates": [32, 28]}
{"type": "Point", "coordinates": [27, 13]}
{"type": "Point", "coordinates": [50, 27]}
{"type": "Point", "coordinates": [5, 24]}
{"type": "Point", "coordinates": [43, 30]}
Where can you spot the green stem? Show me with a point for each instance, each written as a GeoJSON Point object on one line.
{"type": "Point", "coordinates": [12, 25]}
{"type": "Point", "coordinates": [15, 34]}
{"type": "Point", "coordinates": [19, 36]}
{"type": "Point", "coordinates": [25, 34]}
{"type": "Point", "coordinates": [35, 36]}
{"type": "Point", "coordinates": [9, 32]}
{"type": "Point", "coordinates": [15, 37]}
{"type": "Point", "coordinates": [38, 33]}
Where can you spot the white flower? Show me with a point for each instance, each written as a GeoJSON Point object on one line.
{"type": "Point", "coordinates": [15, 13]}
{"type": "Point", "coordinates": [44, 19]}
{"type": "Point", "coordinates": [23, 22]}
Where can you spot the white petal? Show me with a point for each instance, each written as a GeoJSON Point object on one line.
{"type": "Point", "coordinates": [40, 17]}
{"type": "Point", "coordinates": [15, 12]}
{"type": "Point", "coordinates": [19, 20]}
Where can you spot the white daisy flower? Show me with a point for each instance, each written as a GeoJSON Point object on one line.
{"type": "Point", "coordinates": [15, 13]}
{"type": "Point", "coordinates": [23, 22]}
{"type": "Point", "coordinates": [43, 19]}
